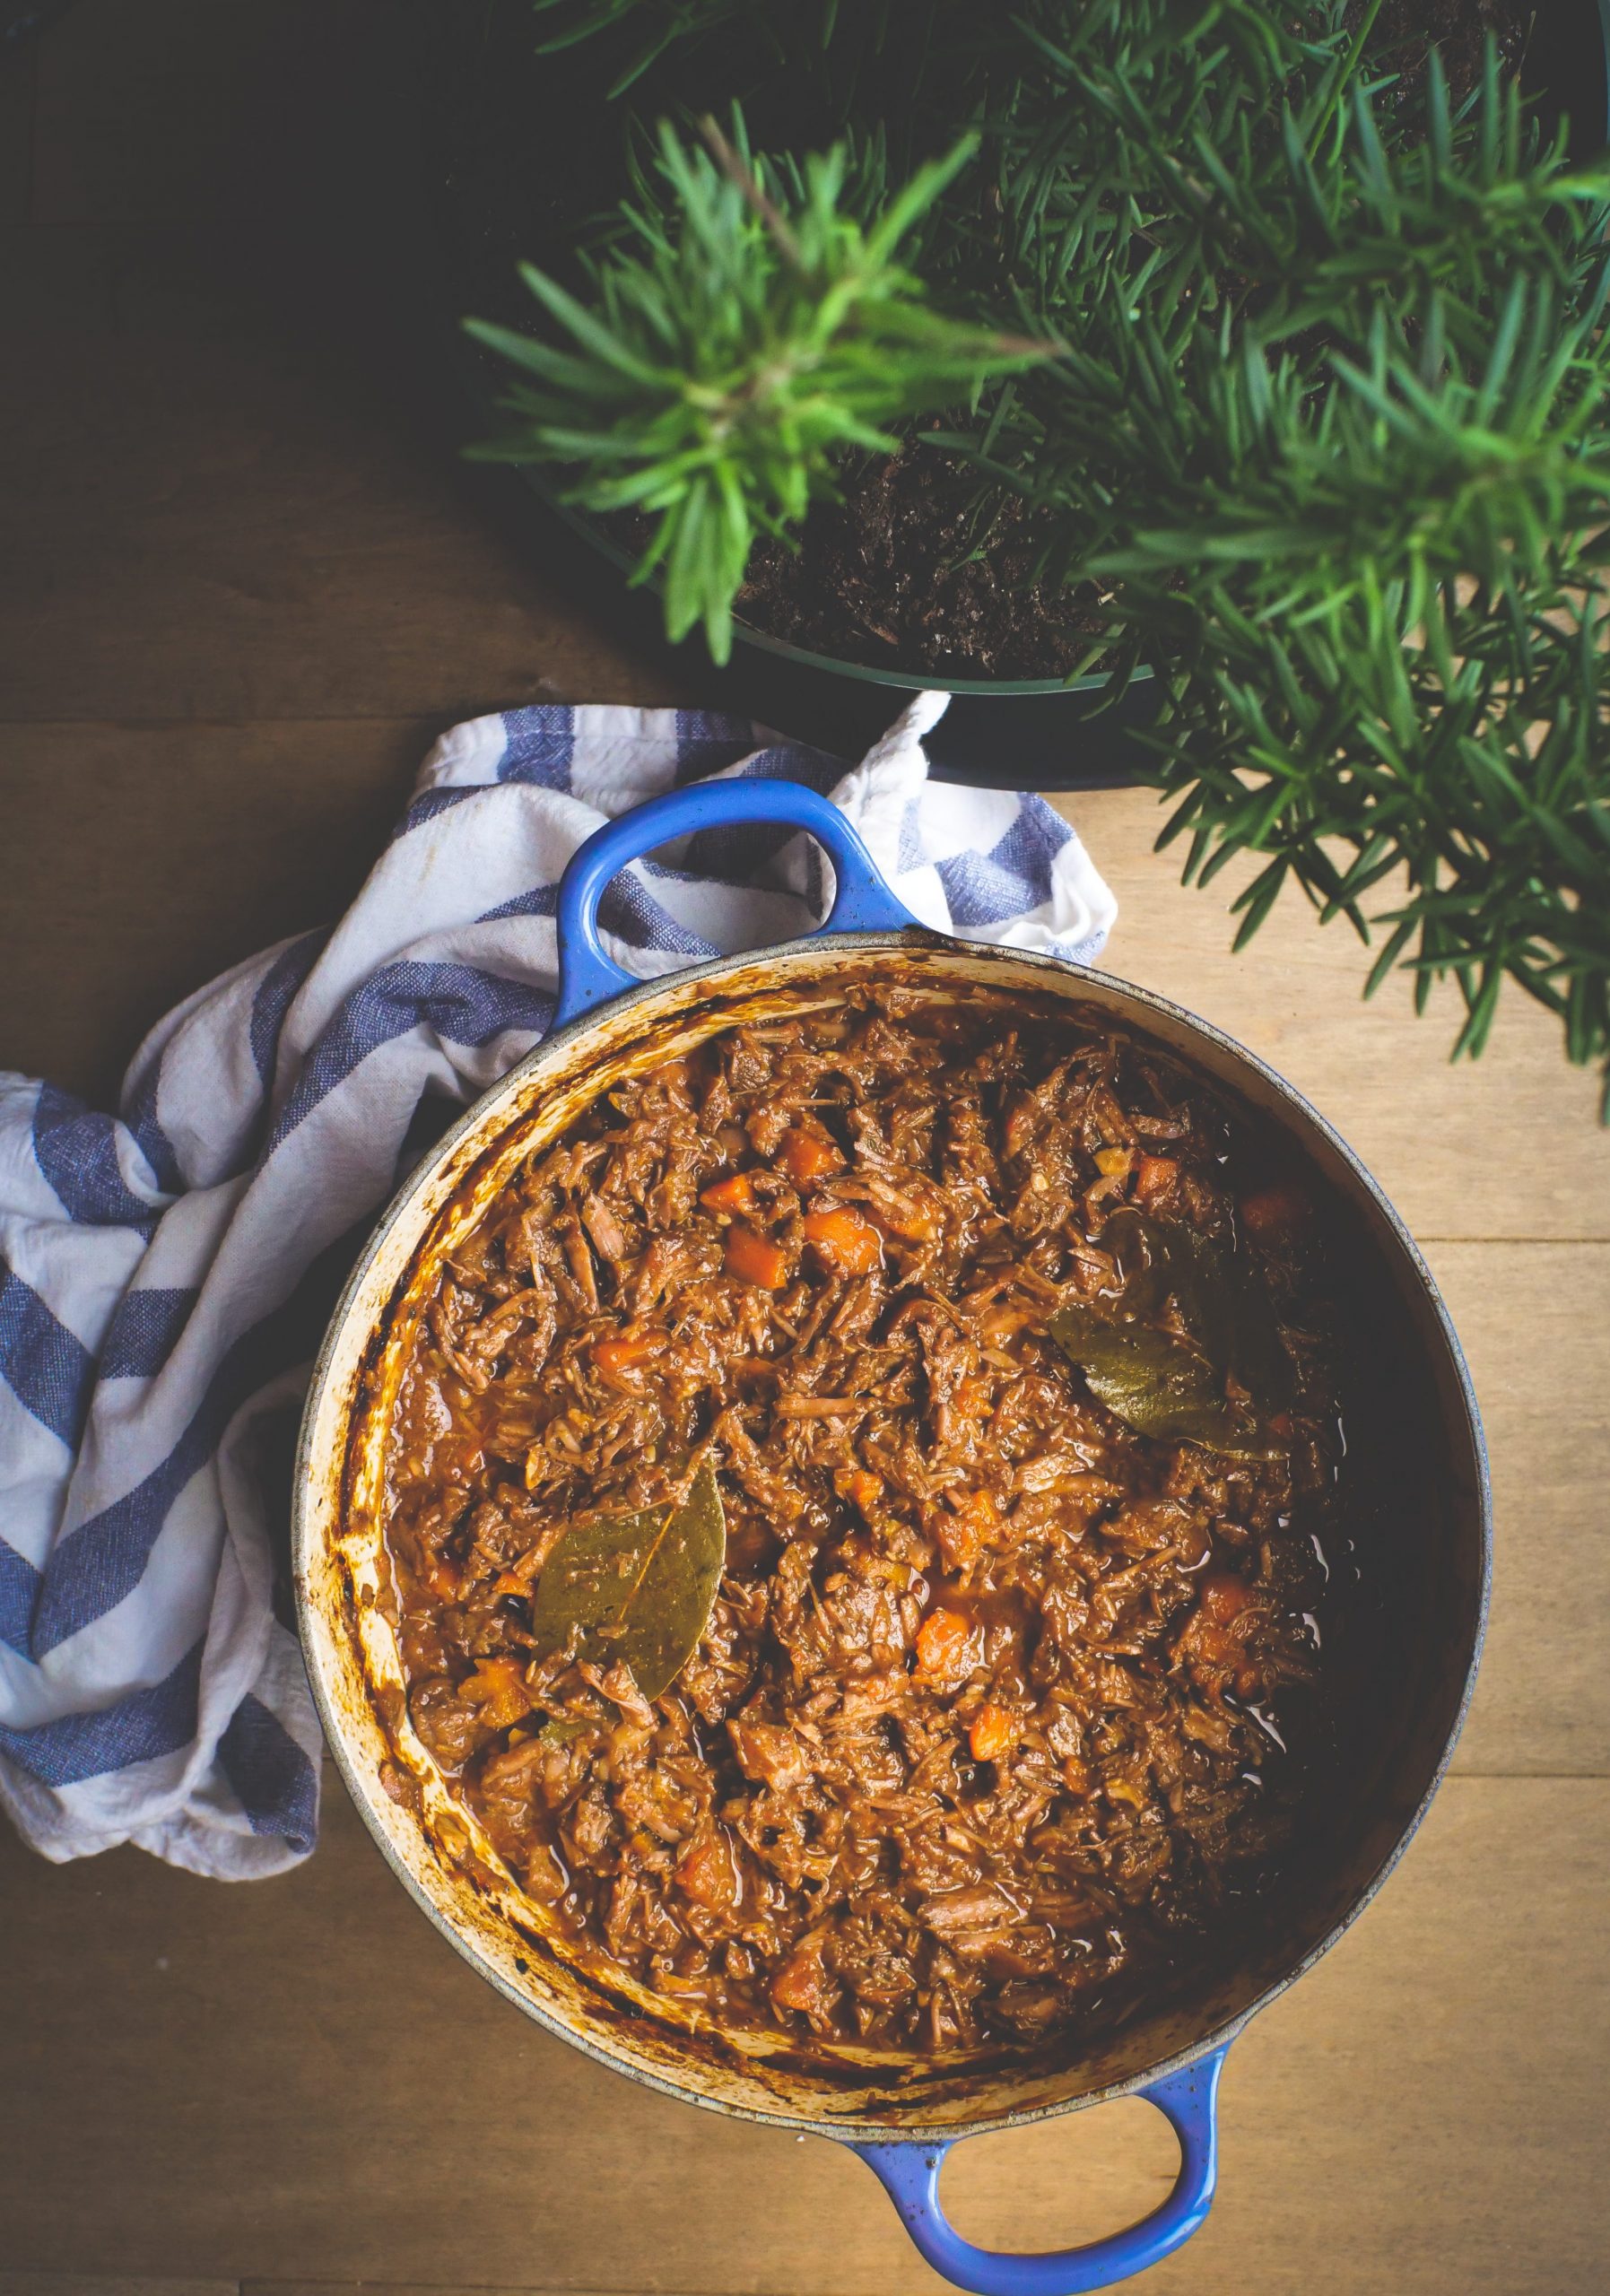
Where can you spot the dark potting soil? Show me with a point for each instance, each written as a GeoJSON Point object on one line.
{"type": "Point", "coordinates": [895, 574]}
{"type": "Point", "coordinates": [1406, 29]}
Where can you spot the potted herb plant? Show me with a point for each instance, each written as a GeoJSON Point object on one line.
{"type": "Point", "coordinates": [1249, 361]}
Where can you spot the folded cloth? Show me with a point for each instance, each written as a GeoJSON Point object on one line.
{"type": "Point", "coordinates": [150, 1262]}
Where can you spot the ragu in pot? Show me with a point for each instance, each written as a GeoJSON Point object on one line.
{"type": "Point", "coordinates": [1011, 1384]}
{"type": "Point", "coordinates": [1025, 1367]}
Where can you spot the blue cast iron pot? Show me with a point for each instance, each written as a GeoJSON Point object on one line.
{"type": "Point", "coordinates": [1423, 1551]}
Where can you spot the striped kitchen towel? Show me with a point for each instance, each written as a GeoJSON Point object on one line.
{"type": "Point", "coordinates": [151, 1264]}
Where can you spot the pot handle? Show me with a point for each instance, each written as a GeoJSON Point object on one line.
{"type": "Point", "coordinates": [863, 903]}
{"type": "Point", "coordinates": [910, 2175]}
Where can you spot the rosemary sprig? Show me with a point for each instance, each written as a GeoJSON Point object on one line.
{"type": "Point", "coordinates": [728, 358]}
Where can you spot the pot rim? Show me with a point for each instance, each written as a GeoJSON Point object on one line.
{"type": "Point", "coordinates": [364, 1790]}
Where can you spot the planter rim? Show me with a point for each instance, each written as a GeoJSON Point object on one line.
{"type": "Point", "coordinates": [475, 382]}
{"type": "Point", "coordinates": [746, 634]}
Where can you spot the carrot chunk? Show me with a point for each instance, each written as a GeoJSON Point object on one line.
{"type": "Point", "coordinates": [517, 1580]}
{"type": "Point", "coordinates": [964, 1532]}
{"type": "Point", "coordinates": [1271, 1212]}
{"type": "Point", "coordinates": [1223, 1596]}
{"type": "Point", "coordinates": [627, 1351]}
{"type": "Point", "coordinates": [709, 1872]}
{"type": "Point", "coordinates": [734, 1194]}
{"type": "Point", "coordinates": [441, 1578]}
{"type": "Point", "coordinates": [944, 1643]}
{"type": "Point", "coordinates": [994, 1732]}
{"type": "Point", "coordinates": [807, 1156]}
{"type": "Point", "coordinates": [916, 1223]}
{"type": "Point", "coordinates": [979, 1508]}
{"type": "Point", "coordinates": [862, 1488]}
{"type": "Point", "coordinates": [498, 1687]}
{"type": "Point", "coordinates": [850, 1244]}
{"type": "Point", "coordinates": [756, 1259]}
{"type": "Point", "coordinates": [802, 1985]}
{"type": "Point", "coordinates": [1154, 1178]}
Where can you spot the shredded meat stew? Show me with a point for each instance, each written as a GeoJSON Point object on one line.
{"type": "Point", "coordinates": [987, 1734]}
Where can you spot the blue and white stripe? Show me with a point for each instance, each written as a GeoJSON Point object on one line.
{"type": "Point", "coordinates": [156, 1267]}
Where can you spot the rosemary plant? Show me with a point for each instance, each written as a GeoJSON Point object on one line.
{"type": "Point", "coordinates": [723, 365]}
{"type": "Point", "coordinates": [1320, 442]}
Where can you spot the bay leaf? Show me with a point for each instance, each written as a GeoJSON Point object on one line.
{"type": "Point", "coordinates": [1222, 1300]}
{"type": "Point", "coordinates": [1155, 1383]}
{"type": "Point", "coordinates": [642, 1586]}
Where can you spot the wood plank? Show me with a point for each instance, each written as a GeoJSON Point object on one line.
{"type": "Point", "coordinates": [248, 489]}
{"type": "Point", "coordinates": [71, 2284]}
{"type": "Point", "coordinates": [1508, 1145]}
{"type": "Point", "coordinates": [302, 2074]}
{"type": "Point", "coordinates": [159, 856]}
{"type": "Point", "coordinates": [1535, 1320]}
{"type": "Point", "coordinates": [219, 505]}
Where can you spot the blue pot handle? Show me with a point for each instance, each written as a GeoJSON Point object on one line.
{"type": "Point", "coordinates": [910, 2174]}
{"type": "Point", "coordinates": [587, 978]}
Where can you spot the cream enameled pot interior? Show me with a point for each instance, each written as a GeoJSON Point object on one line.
{"type": "Point", "coordinates": [434, 1843]}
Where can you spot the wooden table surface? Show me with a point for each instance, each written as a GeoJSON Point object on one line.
{"type": "Point", "coordinates": [242, 590]}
